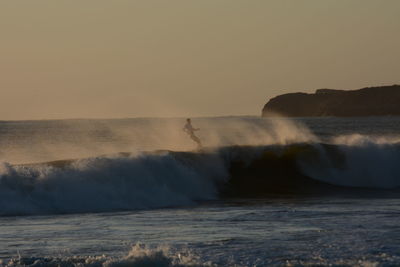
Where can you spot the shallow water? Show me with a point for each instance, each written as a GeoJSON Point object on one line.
{"type": "Point", "coordinates": [242, 233]}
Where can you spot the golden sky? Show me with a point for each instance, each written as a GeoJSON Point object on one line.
{"type": "Point", "coordinates": [127, 58]}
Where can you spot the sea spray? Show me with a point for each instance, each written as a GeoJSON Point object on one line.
{"type": "Point", "coordinates": [40, 141]}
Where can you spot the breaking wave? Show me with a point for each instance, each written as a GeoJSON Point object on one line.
{"type": "Point", "coordinates": [166, 256]}
{"type": "Point", "coordinates": [105, 184]}
{"type": "Point", "coordinates": [169, 179]}
{"type": "Point", "coordinates": [140, 255]}
{"type": "Point", "coordinates": [361, 162]}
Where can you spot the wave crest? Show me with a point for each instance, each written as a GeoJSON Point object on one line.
{"type": "Point", "coordinates": [105, 184]}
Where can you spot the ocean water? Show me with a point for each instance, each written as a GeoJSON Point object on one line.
{"type": "Point", "coordinates": [262, 192]}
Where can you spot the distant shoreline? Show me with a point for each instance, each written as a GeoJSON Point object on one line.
{"type": "Point", "coordinates": [365, 102]}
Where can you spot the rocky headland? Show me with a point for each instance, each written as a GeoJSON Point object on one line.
{"type": "Point", "coordinates": [370, 101]}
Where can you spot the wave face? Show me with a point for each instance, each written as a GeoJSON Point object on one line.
{"type": "Point", "coordinates": [166, 179]}
{"type": "Point", "coordinates": [362, 164]}
{"type": "Point", "coordinates": [105, 184]}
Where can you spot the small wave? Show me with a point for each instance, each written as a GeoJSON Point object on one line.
{"type": "Point", "coordinates": [165, 256]}
{"type": "Point", "coordinates": [140, 255]}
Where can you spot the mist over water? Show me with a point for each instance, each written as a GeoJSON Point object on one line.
{"type": "Point", "coordinates": [38, 141]}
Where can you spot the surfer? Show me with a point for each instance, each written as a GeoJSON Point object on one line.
{"type": "Point", "coordinates": [188, 128]}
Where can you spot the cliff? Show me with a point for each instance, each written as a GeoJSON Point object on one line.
{"type": "Point", "coordinates": [371, 101]}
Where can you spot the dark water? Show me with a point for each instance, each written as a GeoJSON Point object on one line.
{"type": "Point", "coordinates": [170, 209]}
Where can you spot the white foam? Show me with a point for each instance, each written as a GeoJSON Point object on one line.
{"type": "Point", "coordinates": [362, 140]}
{"type": "Point", "coordinates": [140, 255]}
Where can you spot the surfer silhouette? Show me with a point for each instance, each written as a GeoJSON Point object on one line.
{"type": "Point", "coordinates": [188, 128]}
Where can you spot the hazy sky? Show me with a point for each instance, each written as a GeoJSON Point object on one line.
{"type": "Point", "coordinates": [115, 58]}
